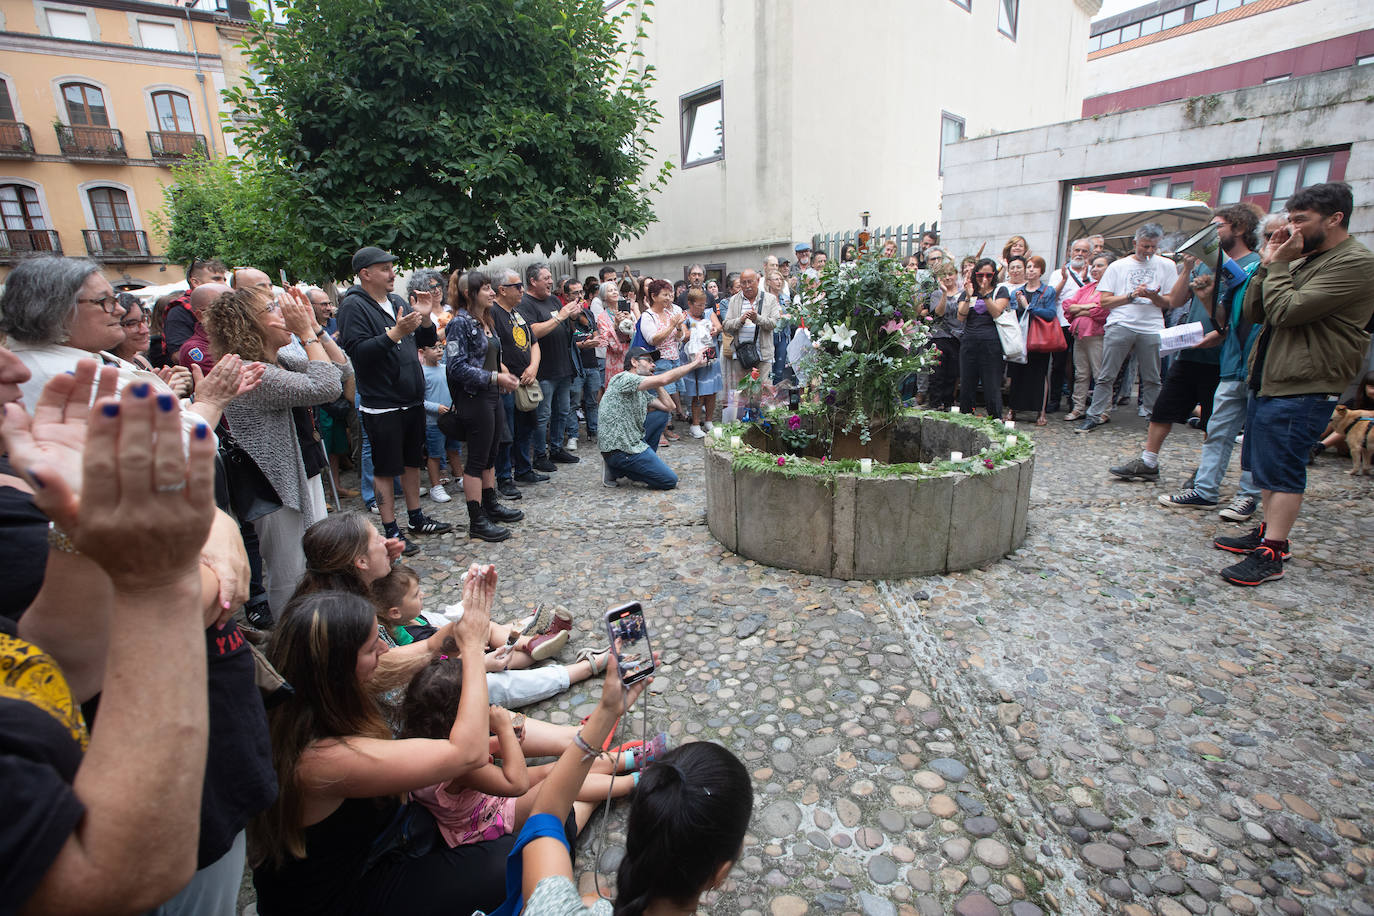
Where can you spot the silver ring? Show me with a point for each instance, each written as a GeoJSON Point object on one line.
{"type": "Point", "coordinates": [173, 488]}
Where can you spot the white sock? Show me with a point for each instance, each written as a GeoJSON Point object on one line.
{"type": "Point", "coordinates": [1151, 459]}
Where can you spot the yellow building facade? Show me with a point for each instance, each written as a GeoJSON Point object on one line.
{"type": "Point", "coordinates": [97, 101]}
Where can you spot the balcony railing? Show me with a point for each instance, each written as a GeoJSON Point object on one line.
{"type": "Point", "coordinates": [126, 245]}
{"type": "Point", "coordinates": [91, 142]}
{"type": "Point", "coordinates": [16, 142]}
{"type": "Point", "coordinates": [167, 144]}
{"type": "Point", "coordinates": [23, 243]}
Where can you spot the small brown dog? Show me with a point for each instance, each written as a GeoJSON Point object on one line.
{"type": "Point", "coordinates": [1357, 426]}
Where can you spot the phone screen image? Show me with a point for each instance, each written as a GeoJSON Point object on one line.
{"type": "Point", "coordinates": [629, 637]}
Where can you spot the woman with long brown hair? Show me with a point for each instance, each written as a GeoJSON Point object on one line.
{"type": "Point", "coordinates": [476, 378]}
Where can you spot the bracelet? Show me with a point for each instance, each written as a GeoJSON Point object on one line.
{"type": "Point", "coordinates": [310, 340]}
{"type": "Point", "coordinates": [58, 540]}
{"type": "Point", "coordinates": [588, 752]}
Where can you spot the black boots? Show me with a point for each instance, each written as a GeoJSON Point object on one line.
{"type": "Point", "coordinates": [497, 512]}
{"type": "Point", "coordinates": [480, 526]}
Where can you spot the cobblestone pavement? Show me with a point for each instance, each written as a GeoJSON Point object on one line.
{"type": "Point", "coordinates": [1096, 723]}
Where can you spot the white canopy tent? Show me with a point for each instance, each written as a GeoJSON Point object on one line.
{"type": "Point", "coordinates": [1116, 217]}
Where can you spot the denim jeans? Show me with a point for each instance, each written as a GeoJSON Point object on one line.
{"type": "Point", "coordinates": [645, 467]}
{"type": "Point", "coordinates": [1279, 433]}
{"type": "Point", "coordinates": [550, 415]}
{"type": "Point", "coordinates": [781, 369]}
{"type": "Point", "coordinates": [1228, 418]}
{"type": "Point", "coordinates": [586, 394]}
{"type": "Point", "coordinates": [514, 457]}
{"type": "Point", "coordinates": [1118, 343]}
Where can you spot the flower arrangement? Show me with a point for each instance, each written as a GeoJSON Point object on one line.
{"type": "Point", "coordinates": [866, 339]}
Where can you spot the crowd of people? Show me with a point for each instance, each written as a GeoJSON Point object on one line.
{"type": "Point", "coordinates": [162, 473]}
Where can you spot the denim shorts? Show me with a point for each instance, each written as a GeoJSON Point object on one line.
{"type": "Point", "coordinates": [436, 443]}
{"type": "Point", "coordinates": [1279, 435]}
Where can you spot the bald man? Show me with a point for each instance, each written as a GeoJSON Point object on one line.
{"type": "Point", "coordinates": [195, 350]}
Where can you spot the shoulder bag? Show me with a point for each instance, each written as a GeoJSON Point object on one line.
{"type": "Point", "coordinates": [251, 494]}
{"type": "Point", "coordinates": [1012, 338]}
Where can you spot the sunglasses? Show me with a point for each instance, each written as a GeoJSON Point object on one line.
{"type": "Point", "coordinates": [983, 273]}
{"type": "Point", "coordinates": [512, 286]}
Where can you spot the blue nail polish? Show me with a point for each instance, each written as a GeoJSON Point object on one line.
{"type": "Point", "coordinates": [141, 390]}
{"type": "Point", "coordinates": [110, 410]}
{"type": "Point", "coordinates": [202, 431]}
{"type": "Point", "coordinates": [165, 403]}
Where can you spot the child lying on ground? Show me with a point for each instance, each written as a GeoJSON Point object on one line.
{"type": "Point", "coordinates": [496, 800]}
{"type": "Point", "coordinates": [510, 680]}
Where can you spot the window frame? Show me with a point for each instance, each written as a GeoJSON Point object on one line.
{"type": "Point", "coordinates": [130, 217]}
{"type": "Point", "coordinates": [141, 21]}
{"type": "Point", "coordinates": [66, 103]}
{"type": "Point", "coordinates": [7, 100]}
{"type": "Point", "coordinates": [22, 190]}
{"type": "Point", "coordinates": [1014, 13]}
{"type": "Point", "coordinates": [965, 5]}
{"type": "Point", "coordinates": [713, 92]}
{"type": "Point", "coordinates": [156, 117]}
{"type": "Point", "coordinates": [963, 135]}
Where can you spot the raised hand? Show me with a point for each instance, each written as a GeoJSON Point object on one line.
{"type": "Point", "coordinates": [55, 436]}
{"type": "Point", "coordinates": [297, 314]}
{"type": "Point", "coordinates": [479, 590]}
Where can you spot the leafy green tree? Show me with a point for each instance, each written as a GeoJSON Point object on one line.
{"type": "Point", "coordinates": [452, 131]}
{"type": "Point", "coordinates": [226, 208]}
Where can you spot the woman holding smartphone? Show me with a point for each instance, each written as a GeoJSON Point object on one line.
{"type": "Point", "coordinates": [980, 351]}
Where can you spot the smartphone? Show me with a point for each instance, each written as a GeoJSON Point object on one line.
{"type": "Point", "coordinates": [629, 637]}
{"type": "Point", "coordinates": [623, 307]}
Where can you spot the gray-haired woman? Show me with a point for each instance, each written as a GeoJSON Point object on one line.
{"type": "Point", "coordinates": [58, 310]}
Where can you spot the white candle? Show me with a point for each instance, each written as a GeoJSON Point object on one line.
{"type": "Point", "coordinates": [954, 408]}
{"type": "Point", "coordinates": [1010, 424]}
{"type": "Point", "coordinates": [735, 442]}
{"type": "Point", "coordinates": [718, 432]}
{"type": "Point", "coordinates": [956, 456]}
{"type": "Point", "coordinates": [866, 465]}
{"type": "Point", "coordinates": [1011, 441]}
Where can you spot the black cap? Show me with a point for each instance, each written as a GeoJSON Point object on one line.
{"type": "Point", "coordinates": [636, 352]}
{"type": "Point", "coordinates": [366, 257]}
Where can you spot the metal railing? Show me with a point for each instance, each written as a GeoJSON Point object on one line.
{"type": "Point", "coordinates": [117, 244]}
{"type": "Point", "coordinates": [16, 140]}
{"type": "Point", "coordinates": [91, 142]}
{"type": "Point", "coordinates": [23, 243]}
{"type": "Point", "coordinates": [166, 144]}
{"type": "Point", "coordinates": [908, 238]}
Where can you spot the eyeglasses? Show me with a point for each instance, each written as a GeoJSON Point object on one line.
{"type": "Point", "coordinates": [270, 308]}
{"type": "Point", "coordinates": [984, 273]}
{"type": "Point", "coordinates": [107, 304]}
{"type": "Point", "coordinates": [134, 322]}
{"type": "Point", "coordinates": [512, 286]}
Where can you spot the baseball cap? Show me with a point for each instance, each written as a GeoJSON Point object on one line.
{"type": "Point", "coordinates": [636, 352]}
{"type": "Point", "coordinates": [800, 247]}
{"type": "Point", "coordinates": [366, 257]}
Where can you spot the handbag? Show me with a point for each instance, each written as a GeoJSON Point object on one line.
{"type": "Point", "coordinates": [528, 397]}
{"type": "Point", "coordinates": [1010, 335]}
{"type": "Point", "coordinates": [1045, 336]}
{"type": "Point", "coordinates": [451, 425]}
{"type": "Point", "coordinates": [747, 352]}
{"type": "Point", "coordinates": [251, 494]}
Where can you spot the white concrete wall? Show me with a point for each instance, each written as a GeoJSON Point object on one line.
{"type": "Point", "coordinates": [1011, 184]}
{"type": "Point", "coordinates": [833, 110]}
{"type": "Point", "coordinates": [1255, 36]}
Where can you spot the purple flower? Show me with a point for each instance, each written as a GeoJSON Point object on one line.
{"type": "Point", "coordinates": [782, 459]}
{"type": "Point", "coordinates": [794, 422]}
{"type": "Point", "coordinates": [897, 316]}
{"type": "Point", "coordinates": [987, 463]}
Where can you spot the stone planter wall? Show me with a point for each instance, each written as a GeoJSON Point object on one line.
{"type": "Point", "coordinates": [856, 526]}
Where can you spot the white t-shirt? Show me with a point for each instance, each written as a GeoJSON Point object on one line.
{"type": "Point", "coordinates": [1071, 286]}
{"type": "Point", "coordinates": [1121, 276]}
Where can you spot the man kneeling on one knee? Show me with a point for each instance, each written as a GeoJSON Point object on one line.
{"type": "Point", "coordinates": [629, 431]}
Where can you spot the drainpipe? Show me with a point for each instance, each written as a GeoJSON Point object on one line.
{"type": "Point", "coordinates": [210, 121]}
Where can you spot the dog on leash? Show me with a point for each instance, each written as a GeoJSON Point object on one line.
{"type": "Point", "coordinates": [1357, 426]}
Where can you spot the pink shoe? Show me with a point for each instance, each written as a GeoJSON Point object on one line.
{"type": "Point", "coordinates": [548, 643]}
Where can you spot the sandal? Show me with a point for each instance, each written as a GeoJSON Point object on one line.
{"type": "Point", "coordinates": [590, 657]}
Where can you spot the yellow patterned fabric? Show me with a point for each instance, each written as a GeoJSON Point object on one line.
{"type": "Point", "coordinates": [31, 676]}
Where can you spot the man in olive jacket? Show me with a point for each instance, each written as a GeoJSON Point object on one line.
{"type": "Point", "coordinates": [1311, 294]}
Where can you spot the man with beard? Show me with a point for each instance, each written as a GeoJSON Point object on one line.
{"type": "Point", "coordinates": [1311, 296]}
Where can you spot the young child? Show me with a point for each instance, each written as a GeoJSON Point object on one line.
{"type": "Point", "coordinates": [495, 800]}
{"type": "Point", "coordinates": [437, 403]}
{"type": "Point", "coordinates": [700, 386]}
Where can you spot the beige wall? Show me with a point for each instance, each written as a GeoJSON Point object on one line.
{"type": "Point", "coordinates": [833, 110]}
{"type": "Point", "coordinates": [34, 65]}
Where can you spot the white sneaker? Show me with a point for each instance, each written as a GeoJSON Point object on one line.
{"type": "Point", "coordinates": [708, 426]}
{"type": "Point", "coordinates": [424, 491]}
{"type": "Point", "coordinates": [1142, 412]}
{"type": "Point", "coordinates": [572, 444]}
{"type": "Point", "coordinates": [697, 432]}
{"type": "Point", "coordinates": [439, 494]}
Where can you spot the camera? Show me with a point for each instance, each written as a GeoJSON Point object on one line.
{"type": "Point", "coordinates": [709, 353]}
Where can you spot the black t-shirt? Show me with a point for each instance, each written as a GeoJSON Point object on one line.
{"type": "Point", "coordinates": [239, 779]}
{"type": "Point", "coordinates": [681, 300]}
{"type": "Point", "coordinates": [24, 532]}
{"type": "Point", "coordinates": [517, 341]}
{"type": "Point", "coordinates": [555, 347]}
{"type": "Point", "coordinates": [42, 741]}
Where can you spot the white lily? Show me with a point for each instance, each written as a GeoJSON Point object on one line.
{"type": "Point", "coordinates": [843, 337]}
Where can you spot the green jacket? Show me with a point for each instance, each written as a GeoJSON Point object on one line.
{"type": "Point", "coordinates": [1314, 314]}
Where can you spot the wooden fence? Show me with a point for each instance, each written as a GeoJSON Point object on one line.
{"type": "Point", "coordinates": [908, 238]}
